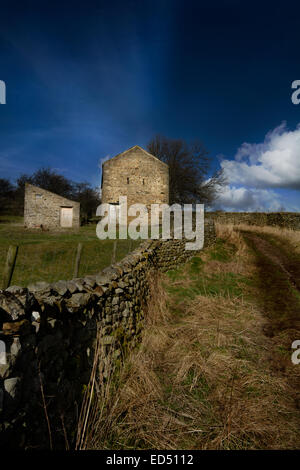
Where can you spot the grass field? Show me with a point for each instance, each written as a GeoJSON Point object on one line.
{"type": "Point", "coordinates": [214, 368]}
{"type": "Point", "coordinates": [50, 256]}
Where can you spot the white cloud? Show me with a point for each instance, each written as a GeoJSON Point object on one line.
{"type": "Point", "coordinates": [236, 199]}
{"type": "Point", "coordinates": [275, 163]}
{"type": "Point", "coordinates": [258, 170]}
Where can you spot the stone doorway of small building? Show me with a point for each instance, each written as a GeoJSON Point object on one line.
{"type": "Point", "coordinates": [66, 217]}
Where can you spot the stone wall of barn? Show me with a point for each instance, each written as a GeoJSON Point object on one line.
{"type": "Point", "coordinates": [138, 175]}
{"type": "Point", "coordinates": [43, 207]}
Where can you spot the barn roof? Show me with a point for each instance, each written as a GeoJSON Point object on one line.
{"type": "Point", "coordinates": [135, 147]}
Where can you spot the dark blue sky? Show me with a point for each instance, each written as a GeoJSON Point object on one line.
{"type": "Point", "coordinates": [87, 80]}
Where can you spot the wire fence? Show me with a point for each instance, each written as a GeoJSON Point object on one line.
{"type": "Point", "coordinates": [50, 261]}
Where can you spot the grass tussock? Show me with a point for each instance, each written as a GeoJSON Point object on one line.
{"type": "Point", "coordinates": [233, 232]}
{"type": "Point", "coordinates": [202, 377]}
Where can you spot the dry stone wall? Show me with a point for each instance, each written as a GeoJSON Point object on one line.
{"type": "Point", "coordinates": [290, 220]}
{"type": "Point", "coordinates": [50, 330]}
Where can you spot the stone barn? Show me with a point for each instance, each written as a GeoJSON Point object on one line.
{"type": "Point", "coordinates": [49, 210]}
{"type": "Point", "coordinates": [136, 174]}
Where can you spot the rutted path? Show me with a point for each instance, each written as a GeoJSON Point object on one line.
{"type": "Point", "coordinates": [279, 276]}
{"type": "Point", "coordinates": [279, 287]}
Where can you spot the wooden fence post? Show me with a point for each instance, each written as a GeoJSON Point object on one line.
{"type": "Point", "coordinates": [9, 266]}
{"type": "Point", "coordinates": [77, 260]}
{"type": "Point", "coordinates": [114, 252]}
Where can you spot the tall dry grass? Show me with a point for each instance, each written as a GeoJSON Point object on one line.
{"type": "Point", "coordinates": [232, 233]}
{"type": "Point", "coordinates": [103, 422]}
{"type": "Point", "coordinates": [198, 381]}
{"type": "Point", "coordinates": [97, 394]}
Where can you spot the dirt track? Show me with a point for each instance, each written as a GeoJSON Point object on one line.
{"type": "Point", "coordinates": [279, 287]}
{"type": "Point", "coordinates": [279, 281]}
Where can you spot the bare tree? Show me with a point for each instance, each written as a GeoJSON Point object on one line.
{"type": "Point", "coordinates": [6, 195]}
{"type": "Point", "coordinates": [189, 168]}
{"type": "Point", "coordinates": [88, 197]}
{"type": "Point", "coordinates": [50, 180]}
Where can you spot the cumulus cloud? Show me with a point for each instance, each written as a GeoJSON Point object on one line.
{"type": "Point", "coordinates": [236, 199]}
{"type": "Point", "coordinates": [259, 170]}
{"type": "Point", "coordinates": [275, 163]}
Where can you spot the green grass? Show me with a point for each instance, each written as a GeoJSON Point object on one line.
{"type": "Point", "coordinates": [196, 265]}
{"type": "Point", "coordinates": [50, 256]}
{"type": "Point", "coordinates": [198, 386]}
{"type": "Point", "coordinates": [224, 284]}
{"type": "Point", "coordinates": [222, 251]}
{"type": "Point", "coordinates": [11, 219]}
{"type": "Point", "coordinates": [204, 283]}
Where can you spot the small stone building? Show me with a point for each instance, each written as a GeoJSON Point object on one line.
{"type": "Point", "coordinates": [43, 208]}
{"type": "Point", "coordinates": [136, 174]}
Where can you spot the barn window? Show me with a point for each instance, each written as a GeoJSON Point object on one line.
{"type": "Point", "coordinates": [127, 180]}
